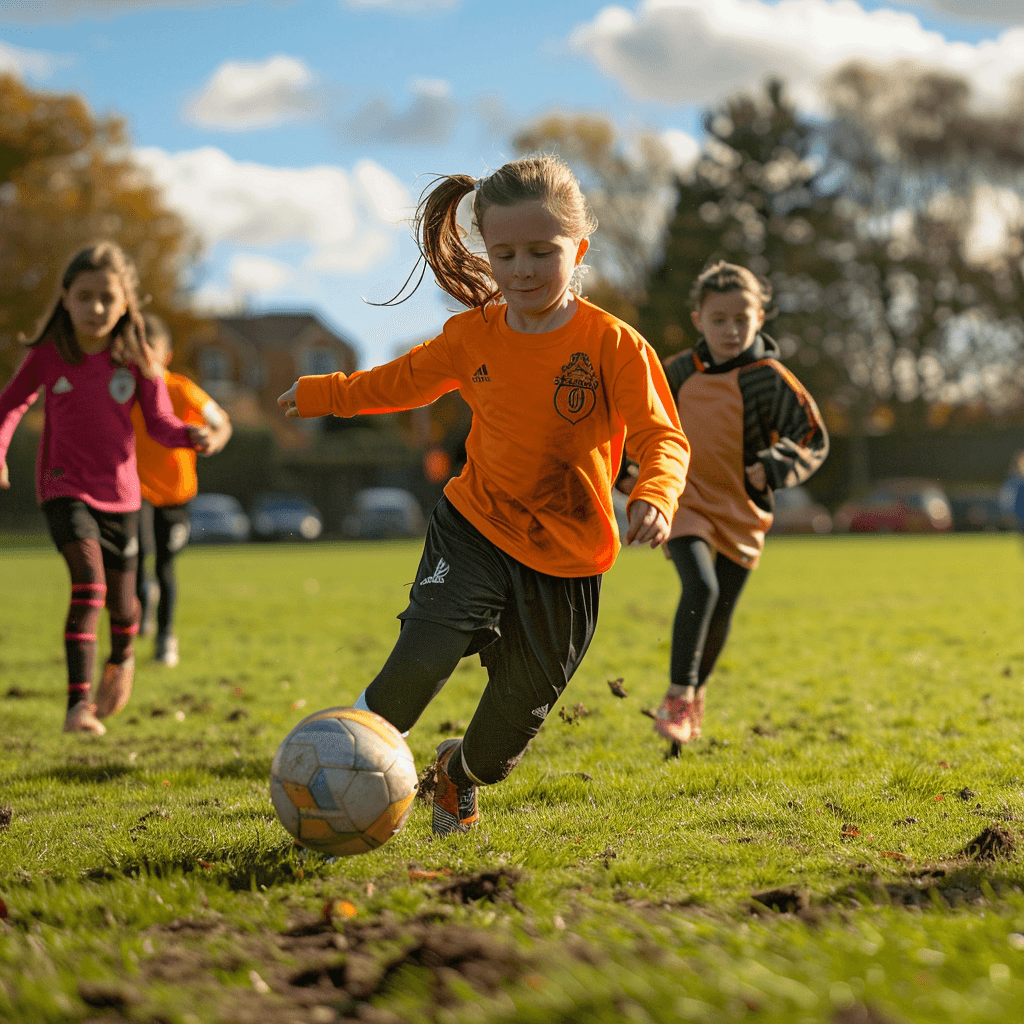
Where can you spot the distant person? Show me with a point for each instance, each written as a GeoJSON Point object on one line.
{"type": "Point", "coordinates": [515, 549]}
{"type": "Point", "coordinates": [1011, 494]}
{"type": "Point", "coordinates": [754, 429]}
{"type": "Point", "coordinates": [94, 362]}
{"type": "Point", "coordinates": [169, 481]}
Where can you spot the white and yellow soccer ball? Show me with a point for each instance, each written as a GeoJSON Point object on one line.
{"type": "Point", "coordinates": [343, 781]}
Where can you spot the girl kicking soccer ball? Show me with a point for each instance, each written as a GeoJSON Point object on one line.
{"type": "Point", "coordinates": [754, 429]}
{"type": "Point", "coordinates": [515, 548]}
{"type": "Point", "coordinates": [92, 359]}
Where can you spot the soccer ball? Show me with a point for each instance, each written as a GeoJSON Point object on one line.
{"type": "Point", "coordinates": [343, 781]}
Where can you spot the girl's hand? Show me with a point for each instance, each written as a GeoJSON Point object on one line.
{"type": "Point", "coordinates": [200, 437]}
{"type": "Point", "coordinates": [5, 478]}
{"type": "Point", "coordinates": [646, 524]}
{"type": "Point", "coordinates": [287, 400]}
{"type": "Point", "coordinates": [757, 476]}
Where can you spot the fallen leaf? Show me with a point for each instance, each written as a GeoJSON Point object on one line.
{"type": "Point", "coordinates": [895, 856]}
{"type": "Point", "coordinates": [339, 908]}
{"type": "Point", "coordinates": [615, 685]}
{"type": "Point", "coordinates": [940, 798]}
{"type": "Point", "coordinates": [205, 864]}
{"type": "Point", "coordinates": [165, 783]}
{"type": "Point", "coordinates": [298, 705]}
{"type": "Point", "coordinates": [416, 874]}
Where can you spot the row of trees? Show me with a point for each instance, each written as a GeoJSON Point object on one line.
{"type": "Point", "coordinates": [66, 179]}
{"type": "Point", "coordinates": [889, 304]}
{"type": "Point", "coordinates": [892, 306]}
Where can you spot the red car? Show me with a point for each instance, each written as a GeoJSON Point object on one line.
{"type": "Point", "coordinates": [898, 506]}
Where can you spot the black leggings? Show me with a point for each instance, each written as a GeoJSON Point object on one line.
{"type": "Point", "coordinates": [424, 657]}
{"type": "Point", "coordinates": [711, 587]}
{"type": "Point", "coordinates": [163, 532]}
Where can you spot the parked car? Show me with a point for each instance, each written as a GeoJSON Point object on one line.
{"type": "Point", "coordinates": [619, 503]}
{"type": "Point", "coordinates": [797, 512]}
{"type": "Point", "coordinates": [217, 519]}
{"type": "Point", "coordinates": [902, 505]}
{"type": "Point", "coordinates": [379, 512]}
{"type": "Point", "coordinates": [277, 515]}
{"type": "Point", "coordinates": [977, 509]}
{"type": "Point", "coordinates": [1011, 494]}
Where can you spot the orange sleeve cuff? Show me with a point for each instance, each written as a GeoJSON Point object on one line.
{"type": "Point", "coordinates": [313, 395]}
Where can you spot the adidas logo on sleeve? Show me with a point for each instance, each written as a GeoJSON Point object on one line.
{"type": "Point", "coordinates": [62, 387]}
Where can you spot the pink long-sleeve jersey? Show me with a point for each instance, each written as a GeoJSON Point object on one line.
{"type": "Point", "coordinates": [87, 450]}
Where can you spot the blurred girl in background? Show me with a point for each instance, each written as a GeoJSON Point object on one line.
{"type": "Point", "coordinates": [169, 482]}
{"type": "Point", "coordinates": [754, 429]}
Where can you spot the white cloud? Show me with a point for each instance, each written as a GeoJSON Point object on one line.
{"type": "Point", "coordinates": [999, 12]}
{"type": "Point", "coordinates": [684, 149]}
{"type": "Point", "coordinates": [689, 51]}
{"type": "Point", "coordinates": [27, 63]}
{"type": "Point", "coordinates": [247, 275]}
{"type": "Point", "coordinates": [346, 220]}
{"type": "Point", "coordinates": [255, 94]}
{"type": "Point", "coordinates": [428, 120]}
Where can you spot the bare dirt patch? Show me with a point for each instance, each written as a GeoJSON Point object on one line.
{"type": "Point", "coordinates": [990, 844]}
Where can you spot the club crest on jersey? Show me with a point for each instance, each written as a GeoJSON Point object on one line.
{"type": "Point", "coordinates": [122, 385]}
{"type": "Point", "coordinates": [576, 389]}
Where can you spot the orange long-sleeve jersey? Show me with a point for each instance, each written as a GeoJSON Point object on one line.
{"type": "Point", "coordinates": [551, 413]}
{"type": "Point", "coordinates": [168, 475]}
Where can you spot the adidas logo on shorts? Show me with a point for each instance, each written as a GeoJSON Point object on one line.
{"type": "Point", "coordinates": [542, 711]}
{"type": "Point", "coordinates": [439, 573]}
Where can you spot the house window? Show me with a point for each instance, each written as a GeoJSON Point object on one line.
{"type": "Point", "coordinates": [214, 365]}
{"type": "Point", "coordinates": [319, 360]}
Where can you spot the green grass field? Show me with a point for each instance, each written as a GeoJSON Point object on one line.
{"type": "Point", "coordinates": [864, 727]}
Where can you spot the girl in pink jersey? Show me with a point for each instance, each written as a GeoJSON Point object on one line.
{"type": "Point", "coordinates": [92, 358]}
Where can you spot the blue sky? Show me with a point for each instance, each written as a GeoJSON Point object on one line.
{"type": "Point", "coordinates": [295, 134]}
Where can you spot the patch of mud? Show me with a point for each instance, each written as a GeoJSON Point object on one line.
{"type": "Point", "coordinates": [369, 959]}
{"type": "Point", "coordinates": [860, 1013]}
{"type": "Point", "coordinates": [781, 901]}
{"type": "Point", "coordinates": [991, 844]}
{"type": "Point", "coordinates": [494, 886]}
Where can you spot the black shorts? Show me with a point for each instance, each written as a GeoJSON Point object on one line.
{"type": "Point", "coordinates": [163, 529]}
{"type": "Point", "coordinates": [71, 520]}
{"type": "Point", "coordinates": [531, 630]}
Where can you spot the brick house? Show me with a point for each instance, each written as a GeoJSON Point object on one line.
{"type": "Point", "coordinates": [246, 361]}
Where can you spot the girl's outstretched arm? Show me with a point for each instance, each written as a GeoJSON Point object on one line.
{"type": "Point", "coordinates": [21, 391]}
{"type": "Point", "coordinates": [161, 424]}
{"type": "Point", "coordinates": [413, 380]}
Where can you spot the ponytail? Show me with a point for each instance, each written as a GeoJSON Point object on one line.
{"type": "Point", "coordinates": [464, 275]}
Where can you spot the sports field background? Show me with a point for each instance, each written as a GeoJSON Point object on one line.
{"type": "Point", "coordinates": [864, 726]}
